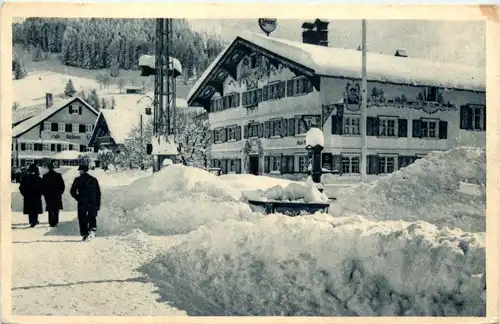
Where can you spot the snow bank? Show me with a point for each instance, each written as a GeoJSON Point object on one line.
{"type": "Point", "coordinates": [324, 266]}
{"type": "Point", "coordinates": [301, 192]}
{"type": "Point", "coordinates": [429, 190]}
{"type": "Point", "coordinates": [175, 200]}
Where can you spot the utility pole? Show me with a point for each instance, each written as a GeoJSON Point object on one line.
{"type": "Point", "coordinates": [364, 102]}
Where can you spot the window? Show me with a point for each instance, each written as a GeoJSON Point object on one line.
{"type": "Point", "coordinates": [64, 147]}
{"type": "Point", "coordinates": [47, 126]}
{"type": "Point", "coordinates": [231, 165]}
{"type": "Point", "coordinates": [386, 164]}
{"type": "Point", "coordinates": [351, 125]}
{"type": "Point", "coordinates": [251, 98]}
{"type": "Point", "coordinates": [429, 128]}
{"type": "Point", "coordinates": [75, 148]}
{"type": "Point", "coordinates": [75, 109]}
{"type": "Point", "coordinates": [76, 128]}
{"type": "Point", "coordinates": [275, 163]}
{"type": "Point", "coordinates": [275, 127]}
{"type": "Point", "coordinates": [303, 162]}
{"type": "Point", "coordinates": [473, 117]}
{"type": "Point", "coordinates": [46, 147]}
{"type": "Point", "coordinates": [61, 127]}
{"type": "Point", "coordinates": [90, 149]}
{"type": "Point", "coordinates": [89, 128]}
{"type": "Point", "coordinates": [288, 164]}
{"type": "Point", "coordinates": [83, 148]}
{"type": "Point", "coordinates": [217, 104]}
{"type": "Point", "coordinates": [298, 86]}
{"type": "Point", "coordinates": [231, 133]}
{"type": "Point", "coordinates": [273, 91]}
{"type": "Point", "coordinates": [350, 164]}
{"type": "Point", "coordinates": [387, 126]}
{"type": "Point", "coordinates": [29, 147]}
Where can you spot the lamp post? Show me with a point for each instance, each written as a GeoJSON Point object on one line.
{"type": "Point", "coordinates": [315, 142]}
{"type": "Point", "coordinates": [364, 102]}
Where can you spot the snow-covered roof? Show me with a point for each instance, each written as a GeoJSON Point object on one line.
{"type": "Point", "coordinates": [46, 113]}
{"type": "Point", "coordinates": [121, 122]}
{"type": "Point", "coordinates": [346, 63]}
{"type": "Point", "coordinates": [150, 61]}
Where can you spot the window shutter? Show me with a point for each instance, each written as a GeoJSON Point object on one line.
{"type": "Point", "coordinates": [238, 133]}
{"type": "Point", "coordinates": [402, 128]}
{"type": "Point", "coordinates": [265, 93]}
{"type": "Point", "coordinates": [337, 162]}
{"type": "Point", "coordinates": [289, 88]}
{"type": "Point", "coordinates": [417, 128]}
{"type": "Point", "coordinates": [266, 164]}
{"type": "Point", "coordinates": [443, 129]}
{"type": "Point", "coordinates": [238, 97]}
{"type": "Point", "coordinates": [42, 126]}
{"type": "Point", "coordinates": [69, 109]}
{"type": "Point", "coordinates": [259, 95]}
{"type": "Point", "coordinates": [245, 131]}
{"type": "Point", "coordinates": [281, 89]}
{"type": "Point", "coordinates": [266, 129]}
{"type": "Point", "coordinates": [23, 146]}
{"type": "Point", "coordinates": [245, 98]}
{"type": "Point", "coordinates": [260, 130]}
{"type": "Point", "coordinates": [224, 134]}
{"type": "Point", "coordinates": [372, 164]}
{"type": "Point", "coordinates": [309, 86]}
{"type": "Point", "coordinates": [463, 116]}
{"type": "Point", "coordinates": [79, 109]}
{"type": "Point", "coordinates": [291, 127]}
{"type": "Point", "coordinates": [336, 124]}
{"type": "Point", "coordinates": [58, 148]}
{"type": "Point", "coordinates": [81, 128]}
{"type": "Point", "coordinates": [238, 165]}
{"type": "Point", "coordinates": [284, 128]}
{"type": "Point", "coordinates": [214, 133]}
{"type": "Point", "coordinates": [52, 147]}
{"type": "Point", "coordinates": [401, 162]}
{"type": "Point", "coordinates": [484, 119]}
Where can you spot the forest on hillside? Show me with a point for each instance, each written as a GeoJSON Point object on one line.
{"type": "Point", "coordinates": [112, 43]}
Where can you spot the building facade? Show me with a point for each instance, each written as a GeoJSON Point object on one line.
{"type": "Point", "coordinates": [264, 93]}
{"type": "Point", "coordinates": [61, 128]}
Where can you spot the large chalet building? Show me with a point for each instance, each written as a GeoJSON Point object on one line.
{"type": "Point", "coordinates": [60, 132]}
{"type": "Point", "coordinates": [263, 93]}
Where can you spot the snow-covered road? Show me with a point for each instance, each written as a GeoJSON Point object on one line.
{"type": "Point", "coordinates": [54, 273]}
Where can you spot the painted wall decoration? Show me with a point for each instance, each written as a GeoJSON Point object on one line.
{"type": "Point", "coordinates": [264, 69]}
{"type": "Point", "coordinates": [352, 95]}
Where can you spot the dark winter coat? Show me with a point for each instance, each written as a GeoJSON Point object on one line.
{"type": "Point", "coordinates": [86, 191]}
{"type": "Point", "coordinates": [31, 189]}
{"type": "Point", "coordinates": [53, 188]}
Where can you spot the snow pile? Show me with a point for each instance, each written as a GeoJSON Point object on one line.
{"type": "Point", "coordinates": [295, 191]}
{"type": "Point", "coordinates": [175, 200]}
{"type": "Point", "coordinates": [429, 190]}
{"type": "Point", "coordinates": [324, 266]}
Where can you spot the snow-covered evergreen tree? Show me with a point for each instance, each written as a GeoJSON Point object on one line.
{"type": "Point", "coordinates": [93, 100]}
{"type": "Point", "coordinates": [19, 68]}
{"type": "Point", "coordinates": [69, 89]}
{"type": "Point", "coordinates": [134, 153]}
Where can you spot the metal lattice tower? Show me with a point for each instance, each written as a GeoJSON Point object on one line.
{"type": "Point", "coordinates": [164, 90]}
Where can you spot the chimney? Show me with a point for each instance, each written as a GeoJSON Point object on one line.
{"type": "Point", "coordinates": [315, 33]}
{"type": "Point", "coordinates": [48, 100]}
{"type": "Point", "coordinates": [401, 52]}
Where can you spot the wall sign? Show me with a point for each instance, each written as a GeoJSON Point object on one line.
{"type": "Point", "coordinates": [73, 136]}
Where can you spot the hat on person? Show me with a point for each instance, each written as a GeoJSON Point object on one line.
{"type": "Point", "coordinates": [33, 169]}
{"type": "Point", "coordinates": [83, 167]}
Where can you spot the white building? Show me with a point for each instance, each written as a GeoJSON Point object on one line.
{"type": "Point", "coordinates": [66, 126]}
{"type": "Point", "coordinates": [264, 93]}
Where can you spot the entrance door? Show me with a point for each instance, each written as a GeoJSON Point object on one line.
{"type": "Point", "coordinates": [253, 164]}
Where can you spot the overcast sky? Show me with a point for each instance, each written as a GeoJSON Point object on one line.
{"type": "Point", "coordinates": [445, 41]}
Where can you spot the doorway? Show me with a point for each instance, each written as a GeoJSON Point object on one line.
{"type": "Point", "coordinates": [253, 164]}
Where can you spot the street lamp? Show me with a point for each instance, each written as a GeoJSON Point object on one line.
{"type": "Point", "coordinates": [315, 142]}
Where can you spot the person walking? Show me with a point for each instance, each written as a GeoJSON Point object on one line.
{"type": "Point", "coordinates": [53, 189]}
{"type": "Point", "coordinates": [85, 190]}
{"type": "Point", "coordinates": [31, 189]}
